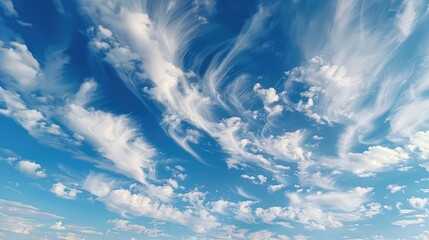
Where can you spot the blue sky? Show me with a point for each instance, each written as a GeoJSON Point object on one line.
{"type": "Point", "coordinates": [214, 119]}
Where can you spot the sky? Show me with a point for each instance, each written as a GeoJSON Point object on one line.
{"type": "Point", "coordinates": [214, 119]}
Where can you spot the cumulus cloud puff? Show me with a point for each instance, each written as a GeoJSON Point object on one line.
{"type": "Point", "coordinates": [31, 169]}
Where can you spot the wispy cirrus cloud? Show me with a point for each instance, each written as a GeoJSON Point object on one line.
{"type": "Point", "coordinates": [7, 6]}
{"type": "Point", "coordinates": [407, 222]}
{"type": "Point", "coordinates": [127, 226]}
{"type": "Point", "coordinates": [60, 227]}
{"type": "Point", "coordinates": [23, 219]}
{"type": "Point", "coordinates": [117, 140]}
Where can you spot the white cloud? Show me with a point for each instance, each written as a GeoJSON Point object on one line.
{"type": "Point", "coordinates": [259, 179]}
{"type": "Point", "coordinates": [269, 97]}
{"type": "Point", "coordinates": [356, 52]}
{"type": "Point", "coordinates": [375, 159]}
{"type": "Point", "coordinates": [423, 236]}
{"type": "Point", "coordinates": [139, 204]}
{"type": "Point", "coordinates": [122, 201]}
{"type": "Point", "coordinates": [407, 17]}
{"type": "Point", "coordinates": [405, 223]}
{"type": "Point", "coordinates": [300, 237]}
{"type": "Point", "coordinates": [69, 236]}
{"type": "Point", "coordinates": [406, 211]}
{"type": "Point", "coordinates": [405, 168]}
{"type": "Point", "coordinates": [262, 234]}
{"type": "Point", "coordinates": [58, 6]}
{"type": "Point", "coordinates": [310, 175]}
{"type": "Point", "coordinates": [58, 226]}
{"type": "Point", "coordinates": [419, 142]}
{"type": "Point", "coordinates": [156, 51]}
{"type": "Point", "coordinates": [240, 210]}
{"type": "Point", "coordinates": [398, 205]}
{"type": "Point", "coordinates": [158, 63]}
{"type": "Point", "coordinates": [62, 191]}
{"type": "Point", "coordinates": [285, 224]}
{"type": "Point", "coordinates": [230, 232]}
{"type": "Point", "coordinates": [8, 155]}
{"type": "Point", "coordinates": [220, 206]}
{"type": "Point", "coordinates": [410, 118]}
{"type": "Point", "coordinates": [287, 147]}
{"type": "Point", "coordinates": [262, 179]}
{"type": "Point", "coordinates": [18, 63]}
{"type": "Point", "coordinates": [310, 209]}
{"type": "Point", "coordinates": [272, 213]}
{"type": "Point", "coordinates": [151, 57]}
{"type": "Point", "coordinates": [104, 32]}
{"type": "Point", "coordinates": [281, 167]}
{"type": "Point", "coordinates": [418, 203]}
{"type": "Point", "coordinates": [173, 183]}
{"type": "Point", "coordinates": [371, 209]}
{"type": "Point", "coordinates": [221, 65]}
{"type": "Point", "coordinates": [243, 211]}
{"type": "Point", "coordinates": [163, 193]}
{"type": "Point", "coordinates": [317, 138]}
{"type": "Point", "coordinates": [30, 119]}
{"type": "Point", "coordinates": [126, 226]}
{"type": "Point", "coordinates": [156, 45]}
{"type": "Point", "coordinates": [425, 166]}
{"type": "Point", "coordinates": [180, 168]}
{"type": "Point", "coordinates": [326, 80]}
{"type": "Point", "coordinates": [395, 188]}
{"type": "Point", "coordinates": [114, 136]}
{"type": "Point", "coordinates": [228, 133]}
{"type": "Point", "coordinates": [7, 6]}
{"type": "Point", "coordinates": [85, 93]}
{"type": "Point", "coordinates": [345, 201]}
{"type": "Point", "coordinates": [98, 184]}
{"type": "Point", "coordinates": [195, 197]}
{"type": "Point", "coordinates": [31, 169]}
{"type": "Point", "coordinates": [19, 218]}
{"type": "Point", "coordinates": [275, 188]}
{"type": "Point", "coordinates": [179, 176]}
{"type": "Point", "coordinates": [243, 193]}
{"type": "Point", "coordinates": [245, 176]}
